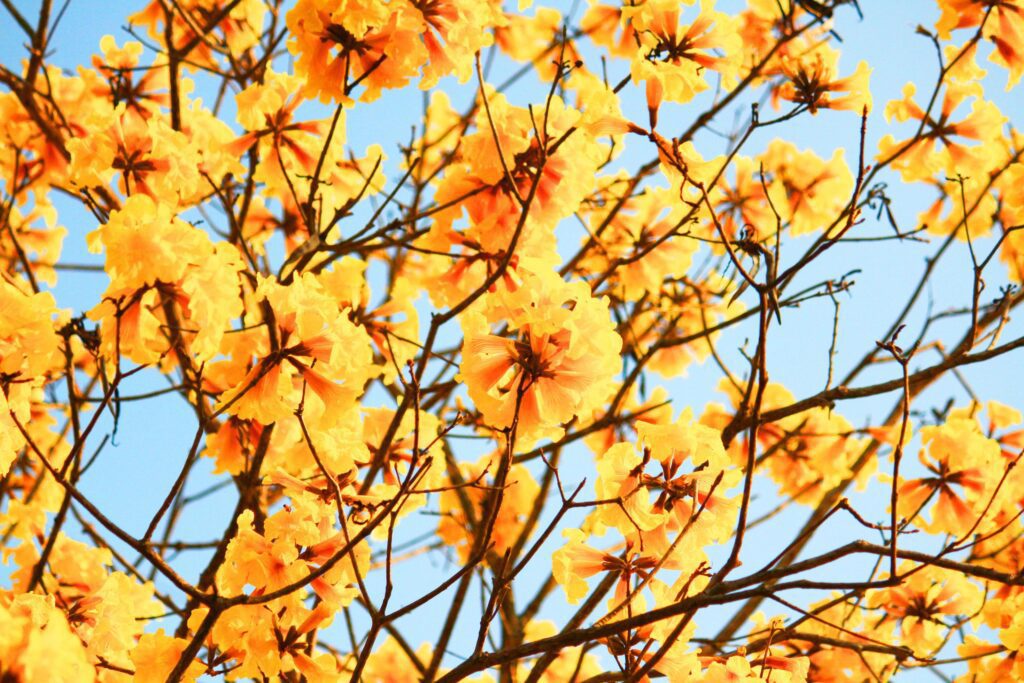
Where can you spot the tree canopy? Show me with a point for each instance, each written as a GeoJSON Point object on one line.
{"type": "Point", "coordinates": [455, 340]}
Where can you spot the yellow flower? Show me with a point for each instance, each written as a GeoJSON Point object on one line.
{"type": "Point", "coordinates": [917, 158]}
{"type": "Point", "coordinates": [559, 365]}
{"type": "Point", "coordinates": [960, 457]}
{"type": "Point", "coordinates": [812, 82]}
{"type": "Point", "coordinates": [157, 654]}
{"type": "Point", "coordinates": [37, 644]}
{"type": "Point", "coordinates": [921, 603]}
{"type": "Point", "coordinates": [320, 349]}
{"type": "Point", "coordinates": [342, 42]}
{"type": "Point", "coordinates": [673, 59]}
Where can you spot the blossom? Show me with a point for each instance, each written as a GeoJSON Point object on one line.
{"type": "Point", "coordinates": [286, 147]}
{"type": "Point", "coordinates": [534, 39]}
{"type": "Point", "coordinates": [807, 454]}
{"type": "Point", "coordinates": [36, 642]}
{"type": "Point", "coordinates": [604, 25]}
{"type": "Point", "coordinates": [812, 82]}
{"type": "Point", "coordinates": [453, 32]}
{"type": "Point", "coordinates": [389, 663]}
{"type": "Point", "coordinates": [921, 601]}
{"type": "Point", "coordinates": [319, 348]}
{"type": "Point", "coordinates": [559, 364]}
{"type": "Point", "coordinates": [241, 27]}
{"type": "Point", "coordinates": [694, 501]}
{"type": "Point", "coordinates": [148, 157]}
{"type": "Point", "coordinates": [1005, 28]}
{"type": "Point", "coordinates": [576, 561]}
{"type": "Point", "coordinates": [154, 257]}
{"type": "Point", "coordinates": [140, 90]}
{"type": "Point", "coordinates": [491, 180]}
{"type": "Point", "coordinates": [37, 234]}
{"type": "Point", "coordinates": [918, 157]}
{"type": "Point", "coordinates": [644, 241]}
{"type": "Point", "coordinates": [672, 59]}
{"type": "Point", "coordinates": [29, 350]}
{"type": "Point", "coordinates": [958, 457]}
{"type": "Point", "coordinates": [809, 192]}
{"type": "Point", "coordinates": [342, 42]}
{"type": "Point", "coordinates": [157, 654]}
